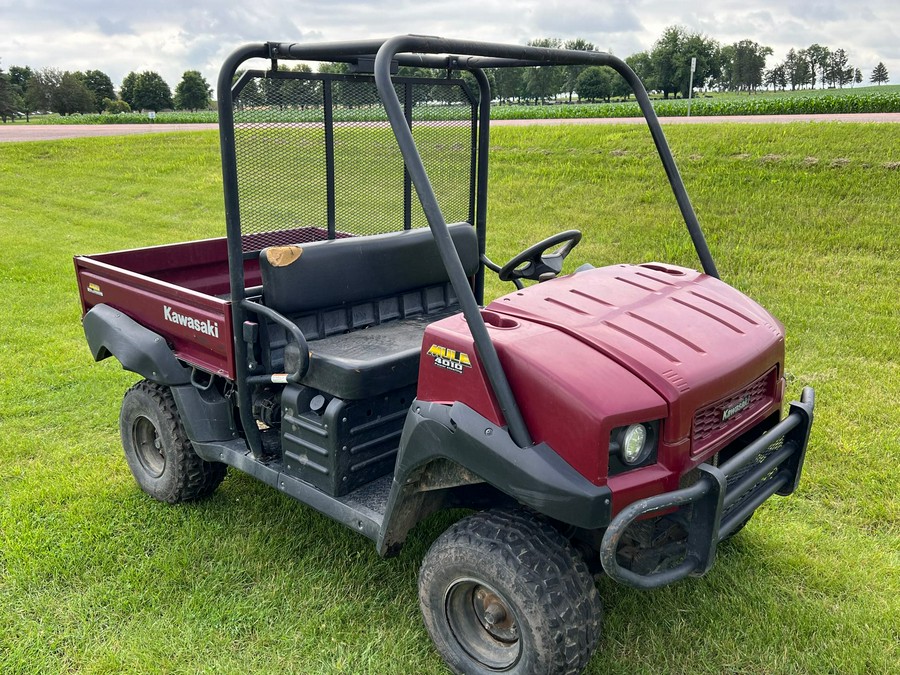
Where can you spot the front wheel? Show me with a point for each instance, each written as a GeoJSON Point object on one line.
{"type": "Point", "coordinates": [503, 592]}
{"type": "Point", "coordinates": [157, 449]}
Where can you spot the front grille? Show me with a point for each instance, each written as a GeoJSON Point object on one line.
{"type": "Point", "coordinates": [713, 421]}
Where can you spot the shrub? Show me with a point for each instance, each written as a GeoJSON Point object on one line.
{"type": "Point", "coordinates": [115, 107]}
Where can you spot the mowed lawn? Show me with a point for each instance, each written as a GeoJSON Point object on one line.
{"type": "Point", "coordinates": [96, 577]}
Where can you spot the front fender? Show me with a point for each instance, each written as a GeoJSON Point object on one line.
{"type": "Point", "coordinates": [535, 476]}
{"type": "Point", "coordinates": [109, 332]}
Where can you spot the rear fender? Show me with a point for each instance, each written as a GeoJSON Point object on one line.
{"type": "Point", "coordinates": [109, 332]}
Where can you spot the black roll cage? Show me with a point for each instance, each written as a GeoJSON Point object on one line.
{"type": "Point", "coordinates": [427, 52]}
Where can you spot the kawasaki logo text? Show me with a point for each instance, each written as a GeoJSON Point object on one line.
{"type": "Point", "coordinates": [736, 408]}
{"type": "Point", "coordinates": [206, 327]}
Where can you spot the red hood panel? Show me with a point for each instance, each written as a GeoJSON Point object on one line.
{"type": "Point", "coordinates": [678, 330]}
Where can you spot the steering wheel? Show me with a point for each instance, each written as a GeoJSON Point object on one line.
{"type": "Point", "coordinates": [533, 264]}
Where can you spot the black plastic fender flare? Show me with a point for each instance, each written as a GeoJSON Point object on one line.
{"type": "Point", "coordinates": [110, 332]}
{"type": "Point", "coordinates": [534, 476]}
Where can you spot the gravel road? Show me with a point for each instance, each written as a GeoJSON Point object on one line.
{"type": "Point", "coordinates": [50, 132]}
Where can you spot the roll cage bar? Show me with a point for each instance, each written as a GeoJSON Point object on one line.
{"type": "Point", "coordinates": [427, 52]}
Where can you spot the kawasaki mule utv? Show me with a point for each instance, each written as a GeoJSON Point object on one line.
{"type": "Point", "coordinates": [335, 345]}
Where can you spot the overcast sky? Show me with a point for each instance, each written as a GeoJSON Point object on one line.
{"type": "Point", "coordinates": [172, 36]}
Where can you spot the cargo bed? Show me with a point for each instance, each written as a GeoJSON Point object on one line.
{"type": "Point", "coordinates": [180, 291]}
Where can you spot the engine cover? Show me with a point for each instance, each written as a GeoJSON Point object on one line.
{"type": "Point", "coordinates": [611, 346]}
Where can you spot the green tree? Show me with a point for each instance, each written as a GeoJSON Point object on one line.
{"type": "Point", "coordinates": [150, 93]}
{"type": "Point", "coordinates": [509, 83]}
{"type": "Point", "coordinates": [10, 100]}
{"type": "Point", "coordinates": [420, 93]}
{"type": "Point", "coordinates": [545, 82]}
{"type": "Point", "coordinates": [748, 61]}
{"type": "Point", "coordinates": [857, 76]}
{"type": "Point", "coordinates": [796, 70]}
{"type": "Point", "coordinates": [349, 93]}
{"type": "Point", "coordinates": [671, 60]}
{"type": "Point", "coordinates": [803, 75]}
{"type": "Point", "coordinates": [126, 93]}
{"type": "Point", "coordinates": [817, 56]}
{"type": "Point", "coordinates": [19, 77]}
{"type": "Point", "coordinates": [39, 92]}
{"type": "Point", "coordinates": [776, 77]}
{"type": "Point", "coordinates": [18, 80]}
{"type": "Point", "coordinates": [620, 88]}
{"type": "Point", "coordinates": [290, 92]}
{"type": "Point", "coordinates": [665, 56]}
{"type": "Point", "coordinates": [804, 58]}
{"type": "Point", "coordinates": [642, 65]}
{"type": "Point", "coordinates": [824, 59]}
{"type": "Point", "coordinates": [100, 86]}
{"type": "Point", "coordinates": [250, 94]}
{"type": "Point", "coordinates": [839, 72]}
{"type": "Point", "coordinates": [726, 59]}
{"type": "Point", "coordinates": [193, 92]}
{"type": "Point", "coordinates": [458, 96]}
{"type": "Point", "coordinates": [71, 96]}
{"type": "Point", "coordinates": [879, 75]}
{"type": "Point", "coordinates": [334, 68]}
{"type": "Point", "coordinates": [304, 92]}
{"type": "Point", "coordinates": [596, 83]}
{"type": "Point", "coordinates": [572, 72]}
{"type": "Point", "coordinates": [709, 67]}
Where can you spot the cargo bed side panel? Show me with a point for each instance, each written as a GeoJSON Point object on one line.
{"type": "Point", "coordinates": [197, 326]}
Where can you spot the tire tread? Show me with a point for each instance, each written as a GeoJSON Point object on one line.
{"type": "Point", "coordinates": [542, 557]}
{"type": "Point", "coordinates": [195, 478]}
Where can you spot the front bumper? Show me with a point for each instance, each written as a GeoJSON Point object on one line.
{"type": "Point", "coordinates": [722, 499]}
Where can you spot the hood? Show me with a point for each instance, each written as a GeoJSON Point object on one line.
{"type": "Point", "coordinates": [690, 337]}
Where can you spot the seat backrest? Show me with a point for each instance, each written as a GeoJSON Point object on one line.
{"type": "Point", "coordinates": [323, 274]}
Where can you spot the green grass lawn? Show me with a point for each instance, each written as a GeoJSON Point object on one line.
{"type": "Point", "coordinates": [96, 577]}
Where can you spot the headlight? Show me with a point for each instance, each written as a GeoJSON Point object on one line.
{"type": "Point", "coordinates": [633, 446]}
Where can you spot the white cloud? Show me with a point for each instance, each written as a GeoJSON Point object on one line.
{"type": "Point", "coordinates": [174, 36]}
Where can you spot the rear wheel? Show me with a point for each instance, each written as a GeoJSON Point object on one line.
{"type": "Point", "coordinates": [158, 451]}
{"type": "Point", "coordinates": [502, 591]}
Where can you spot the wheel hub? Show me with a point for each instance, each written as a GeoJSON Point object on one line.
{"type": "Point", "coordinates": [493, 615]}
{"type": "Point", "coordinates": [148, 446]}
{"type": "Point", "coordinates": [483, 623]}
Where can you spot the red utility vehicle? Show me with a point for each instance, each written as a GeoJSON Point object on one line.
{"type": "Point", "coordinates": [335, 346]}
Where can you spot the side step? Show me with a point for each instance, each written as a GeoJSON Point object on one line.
{"type": "Point", "coordinates": [361, 510]}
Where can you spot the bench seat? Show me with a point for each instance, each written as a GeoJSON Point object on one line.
{"type": "Point", "coordinates": [363, 304]}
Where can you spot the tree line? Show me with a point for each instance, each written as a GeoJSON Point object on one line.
{"type": "Point", "coordinates": [348, 93]}
{"type": "Point", "coordinates": [737, 67]}
{"type": "Point", "coordinates": [665, 68]}
{"type": "Point", "coordinates": [26, 91]}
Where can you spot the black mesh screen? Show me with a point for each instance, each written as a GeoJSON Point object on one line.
{"type": "Point", "coordinates": [316, 157]}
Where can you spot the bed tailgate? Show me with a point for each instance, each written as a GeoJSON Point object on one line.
{"type": "Point", "coordinates": [197, 326]}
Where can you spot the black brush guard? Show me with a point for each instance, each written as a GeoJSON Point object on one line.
{"type": "Point", "coordinates": [722, 499]}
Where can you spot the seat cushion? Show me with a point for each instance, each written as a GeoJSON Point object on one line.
{"type": "Point", "coordinates": [369, 361]}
